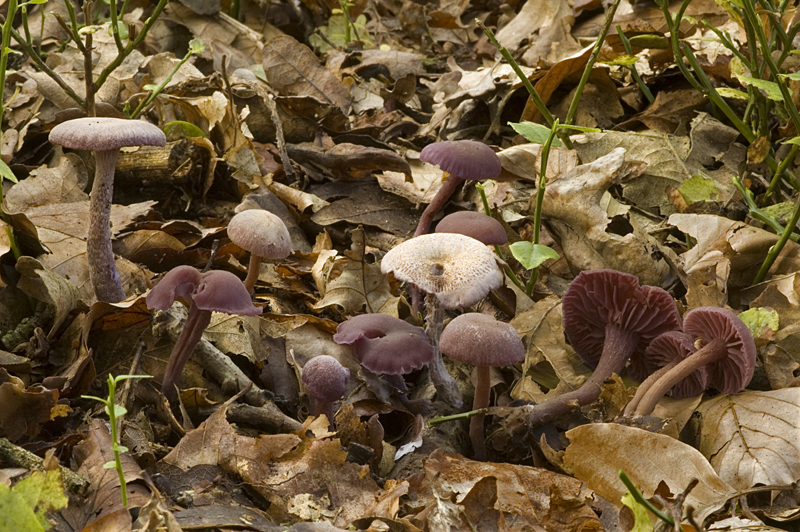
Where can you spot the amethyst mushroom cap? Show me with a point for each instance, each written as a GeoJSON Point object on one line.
{"type": "Point", "coordinates": [483, 341]}
{"type": "Point", "coordinates": [475, 224]}
{"type": "Point", "coordinates": [725, 347]}
{"type": "Point", "coordinates": [264, 235]}
{"type": "Point", "coordinates": [326, 380]}
{"type": "Point", "coordinates": [104, 136]}
{"type": "Point", "coordinates": [214, 291]}
{"type": "Point", "coordinates": [460, 160]}
{"type": "Point", "coordinates": [608, 319]}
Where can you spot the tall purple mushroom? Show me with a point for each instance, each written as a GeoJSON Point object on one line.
{"type": "Point", "coordinates": [608, 319]}
{"type": "Point", "coordinates": [104, 136]}
{"type": "Point", "coordinates": [483, 341]}
{"type": "Point", "coordinates": [214, 291]}
{"type": "Point", "coordinates": [460, 160]}
{"type": "Point", "coordinates": [725, 347]}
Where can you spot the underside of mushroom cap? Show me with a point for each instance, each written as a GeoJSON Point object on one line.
{"type": "Point", "coordinates": [221, 291]}
{"type": "Point", "coordinates": [180, 281]}
{"type": "Point", "coordinates": [481, 340]}
{"type": "Point", "coordinates": [598, 298]}
{"type": "Point", "coordinates": [734, 372]}
{"type": "Point", "coordinates": [105, 133]}
{"type": "Point", "coordinates": [458, 269]}
{"type": "Point", "coordinates": [466, 159]}
{"type": "Point", "coordinates": [385, 345]}
{"type": "Point", "coordinates": [671, 347]}
{"type": "Point", "coordinates": [261, 233]}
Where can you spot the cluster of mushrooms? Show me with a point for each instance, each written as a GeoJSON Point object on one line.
{"type": "Point", "coordinates": [610, 320]}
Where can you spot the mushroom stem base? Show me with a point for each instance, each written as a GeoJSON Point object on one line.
{"type": "Point", "coordinates": [445, 385]}
{"type": "Point", "coordinates": [481, 400]}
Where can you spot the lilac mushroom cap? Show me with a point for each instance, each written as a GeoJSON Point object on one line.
{"type": "Point", "coordinates": [104, 136]}
{"type": "Point", "coordinates": [484, 342]}
{"type": "Point", "coordinates": [264, 235]}
{"type": "Point", "coordinates": [475, 224]}
{"type": "Point", "coordinates": [326, 380]}
{"type": "Point", "coordinates": [461, 159]}
{"type": "Point", "coordinates": [385, 345]}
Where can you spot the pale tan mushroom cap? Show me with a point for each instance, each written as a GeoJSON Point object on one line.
{"type": "Point", "coordinates": [458, 269]}
{"type": "Point", "coordinates": [103, 133]}
{"type": "Point", "coordinates": [262, 233]}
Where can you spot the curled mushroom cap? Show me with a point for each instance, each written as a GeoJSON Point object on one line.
{"type": "Point", "coordinates": [458, 269]}
{"type": "Point", "coordinates": [260, 232]}
{"type": "Point", "coordinates": [467, 159]}
{"type": "Point", "coordinates": [600, 299]}
{"type": "Point", "coordinates": [180, 281]}
{"type": "Point", "coordinates": [667, 350]}
{"type": "Point", "coordinates": [384, 344]}
{"type": "Point", "coordinates": [221, 291]}
{"type": "Point", "coordinates": [325, 377]}
{"type": "Point", "coordinates": [481, 340]}
{"type": "Point", "coordinates": [475, 224]}
{"type": "Point", "coordinates": [731, 373]}
{"type": "Point", "coordinates": [104, 133]}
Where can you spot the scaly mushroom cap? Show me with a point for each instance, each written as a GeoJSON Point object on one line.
{"type": "Point", "coordinates": [674, 346]}
{"type": "Point", "coordinates": [598, 298]}
{"type": "Point", "coordinates": [103, 133]}
{"type": "Point", "coordinates": [262, 233]}
{"type": "Point", "coordinates": [325, 377]}
{"type": "Point", "coordinates": [458, 269]}
{"type": "Point", "coordinates": [732, 373]}
{"type": "Point", "coordinates": [475, 224]}
{"type": "Point", "coordinates": [385, 345]}
{"type": "Point", "coordinates": [466, 159]}
{"type": "Point", "coordinates": [221, 291]}
{"type": "Point", "coordinates": [481, 340]}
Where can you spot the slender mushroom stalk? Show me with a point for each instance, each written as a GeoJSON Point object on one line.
{"type": "Point", "coordinates": [460, 160]}
{"type": "Point", "coordinates": [455, 271]}
{"type": "Point", "coordinates": [483, 341]}
{"type": "Point", "coordinates": [326, 380]}
{"type": "Point", "coordinates": [104, 136]}
{"type": "Point", "coordinates": [726, 348]}
{"type": "Point", "coordinates": [214, 291]}
{"type": "Point", "coordinates": [608, 319]}
{"type": "Point", "coordinates": [663, 354]}
{"type": "Point", "coordinates": [264, 235]}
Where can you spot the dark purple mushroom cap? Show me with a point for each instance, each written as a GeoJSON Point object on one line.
{"type": "Point", "coordinates": [475, 224]}
{"type": "Point", "coordinates": [222, 291]}
{"type": "Point", "coordinates": [385, 345]}
{"type": "Point", "coordinates": [481, 340]}
{"type": "Point", "coordinates": [216, 291]}
{"type": "Point", "coordinates": [325, 377]}
{"type": "Point", "coordinates": [180, 281]}
{"type": "Point", "coordinates": [732, 373]}
{"type": "Point", "coordinates": [104, 133]}
{"type": "Point", "coordinates": [674, 346]}
{"type": "Point", "coordinates": [598, 298]}
{"type": "Point", "coordinates": [465, 159]}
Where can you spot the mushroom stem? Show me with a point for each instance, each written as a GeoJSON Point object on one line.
{"type": "Point", "coordinates": [325, 408]}
{"type": "Point", "coordinates": [711, 352]}
{"type": "Point", "coordinates": [449, 186]}
{"type": "Point", "coordinates": [196, 323]}
{"type": "Point", "coordinates": [445, 384]}
{"type": "Point", "coordinates": [630, 408]}
{"type": "Point", "coordinates": [252, 272]}
{"type": "Point", "coordinates": [100, 256]}
{"type": "Point", "coordinates": [481, 400]}
{"type": "Point", "coordinates": [618, 347]}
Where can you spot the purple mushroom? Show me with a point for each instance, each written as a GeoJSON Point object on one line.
{"type": "Point", "coordinates": [475, 224]}
{"type": "Point", "coordinates": [326, 380]}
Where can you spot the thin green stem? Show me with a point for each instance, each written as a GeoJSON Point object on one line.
{"type": "Point", "coordinates": [776, 178]}
{"type": "Point", "coordinates": [776, 248]}
{"type": "Point", "coordinates": [112, 419]}
{"type": "Point", "coordinates": [537, 99]}
{"type": "Point", "coordinates": [456, 417]}
{"type": "Point", "coordinates": [638, 497]}
{"type": "Point", "coordinates": [626, 43]}
{"type": "Point", "coordinates": [112, 4]}
{"type": "Point", "coordinates": [587, 70]}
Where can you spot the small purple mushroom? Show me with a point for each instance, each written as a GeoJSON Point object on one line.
{"type": "Point", "coordinates": [724, 346]}
{"type": "Point", "coordinates": [326, 380]}
{"type": "Point", "coordinates": [475, 224]}
{"type": "Point", "coordinates": [214, 291]}
{"type": "Point", "coordinates": [483, 341]}
{"type": "Point", "coordinates": [460, 160]}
